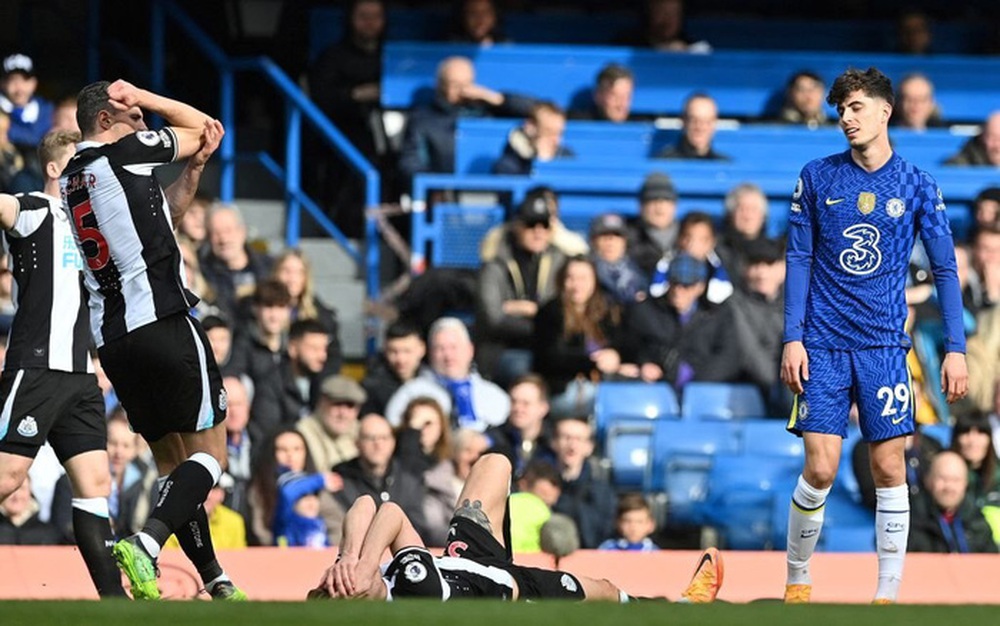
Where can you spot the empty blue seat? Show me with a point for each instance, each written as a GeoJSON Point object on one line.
{"type": "Point", "coordinates": [633, 400]}
{"type": "Point", "coordinates": [769, 437]}
{"type": "Point", "coordinates": [628, 447]}
{"type": "Point", "coordinates": [847, 525]}
{"type": "Point", "coordinates": [722, 401]}
{"type": "Point", "coordinates": [682, 459]}
{"type": "Point", "coordinates": [939, 432]}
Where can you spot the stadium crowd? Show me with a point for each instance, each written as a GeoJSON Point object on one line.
{"type": "Point", "coordinates": [663, 298]}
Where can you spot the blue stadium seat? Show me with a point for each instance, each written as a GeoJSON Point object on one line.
{"type": "Point", "coordinates": [847, 525]}
{"type": "Point", "coordinates": [846, 481]}
{"type": "Point", "coordinates": [938, 432]}
{"type": "Point", "coordinates": [742, 490]}
{"type": "Point", "coordinates": [769, 437]}
{"type": "Point", "coordinates": [633, 400]}
{"type": "Point", "coordinates": [682, 459]}
{"type": "Point", "coordinates": [628, 447]}
{"type": "Point", "coordinates": [722, 401]}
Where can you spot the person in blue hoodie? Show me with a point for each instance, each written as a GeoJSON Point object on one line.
{"type": "Point", "coordinates": [297, 520]}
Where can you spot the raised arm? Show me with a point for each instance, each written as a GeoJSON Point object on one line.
{"type": "Point", "coordinates": [186, 121]}
{"type": "Point", "coordinates": [181, 192]}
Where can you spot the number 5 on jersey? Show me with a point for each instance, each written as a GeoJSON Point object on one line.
{"type": "Point", "coordinates": [92, 242]}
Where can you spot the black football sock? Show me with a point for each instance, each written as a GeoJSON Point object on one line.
{"type": "Point", "coordinates": [182, 494]}
{"type": "Point", "coordinates": [196, 541]}
{"type": "Point", "coordinates": [95, 539]}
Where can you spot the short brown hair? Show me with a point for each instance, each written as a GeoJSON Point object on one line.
{"type": "Point", "coordinates": [612, 73]}
{"type": "Point", "coordinates": [632, 502]}
{"type": "Point", "coordinates": [271, 292]}
{"type": "Point", "coordinates": [532, 379]}
{"type": "Point", "coordinates": [871, 82]}
{"type": "Point", "coordinates": [54, 144]}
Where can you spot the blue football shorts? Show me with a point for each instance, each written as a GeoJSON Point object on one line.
{"type": "Point", "coordinates": [877, 379]}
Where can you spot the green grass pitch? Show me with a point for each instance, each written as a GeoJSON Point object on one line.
{"type": "Point", "coordinates": [481, 613]}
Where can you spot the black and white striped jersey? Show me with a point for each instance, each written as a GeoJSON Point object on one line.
{"type": "Point", "coordinates": [132, 265]}
{"type": "Point", "coordinates": [414, 572]}
{"type": "Point", "coordinates": [50, 328]}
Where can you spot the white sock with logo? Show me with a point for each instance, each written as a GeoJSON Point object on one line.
{"type": "Point", "coordinates": [892, 528]}
{"type": "Point", "coordinates": [805, 520]}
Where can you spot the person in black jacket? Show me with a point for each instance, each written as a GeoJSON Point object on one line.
{"type": "Point", "coordinates": [587, 496]}
{"type": "Point", "coordinates": [429, 141]}
{"type": "Point", "coordinates": [538, 139]}
{"type": "Point", "coordinates": [577, 337]}
{"type": "Point", "coordinates": [654, 232]}
{"type": "Point", "coordinates": [293, 270]}
{"type": "Point", "coordinates": [229, 265]}
{"type": "Point", "coordinates": [374, 472]}
{"type": "Point", "coordinates": [345, 83]}
{"type": "Point", "coordinates": [679, 337]}
{"type": "Point", "coordinates": [944, 518]}
{"type": "Point", "coordinates": [399, 363]}
{"type": "Point", "coordinates": [526, 436]}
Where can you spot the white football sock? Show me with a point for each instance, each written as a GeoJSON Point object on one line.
{"type": "Point", "coordinates": [892, 528]}
{"type": "Point", "coordinates": [805, 520]}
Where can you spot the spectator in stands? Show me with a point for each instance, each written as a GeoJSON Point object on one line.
{"type": "Point", "coordinates": [915, 105]}
{"type": "Point", "coordinates": [282, 451]}
{"type": "Point", "coordinates": [423, 447]}
{"type": "Point", "coordinates": [429, 141]}
{"type": "Point", "coordinates": [374, 472]}
{"type": "Point", "coordinates": [564, 239]}
{"type": "Point", "coordinates": [469, 445]}
{"type": "Point", "coordinates": [539, 139]}
{"type": "Point", "coordinates": [804, 100]}
{"type": "Point", "coordinates": [758, 311]}
{"type": "Point", "coordinates": [239, 452]}
{"type": "Point", "coordinates": [521, 278]}
{"type": "Point", "coordinates": [697, 131]}
{"type": "Point", "coordinates": [196, 280]}
{"type": "Point", "coordinates": [193, 225]}
{"type": "Point", "coordinates": [654, 233]}
{"type": "Point", "coordinates": [984, 148]}
{"type": "Point", "coordinates": [538, 488]}
{"type": "Point", "coordinates": [20, 522]}
{"type": "Point", "coordinates": [476, 21]}
{"type": "Point", "coordinates": [293, 269]}
{"type": "Point", "coordinates": [744, 225]}
{"type": "Point", "coordinates": [296, 521]}
{"type": "Point", "coordinates": [617, 273]}
{"type": "Point", "coordinates": [11, 161]}
{"type": "Point", "coordinates": [983, 289]}
{"type": "Point", "coordinates": [345, 83]}
{"type": "Point", "coordinates": [469, 399]}
{"type": "Point", "coordinates": [612, 96]}
{"type": "Point", "coordinates": [31, 115]}
{"type": "Point", "coordinates": [697, 238]}
{"type": "Point", "coordinates": [400, 362]}
{"type": "Point", "coordinates": [230, 265]}
{"type": "Point", "coordinates": [220, 337]}
{"type": "Point", "coordinates": [586, 493]}
{"type": "Point", "coordinates": [578, 339]}
{"type": "Point", "coordinates": [663, 29]}
{"type": "Point", "coordinates": [64, 116]}
{"type": "Point", "coordinates": [986, 208]}
{"type": "Point", "coordinates": [913, 32]}
{"type": "Point", "coordinates": [944, 518]}
{"type": "Point", "coordinates": [526, 436]}
{"type": "Point", "coordinates": [133, 482]}
{"type": "Point", "coordinates": [972, 439]}
{"type": "Point", "coordinates": [679, 336]}
{"type": "Point", "coordinates": [635, 525]}
{"type": "Point", "coordinates": [259, 345]}
{"type": "Point", "coordinates": [290, 392]}
{"type": "Point", "coordinates": [331, 431]}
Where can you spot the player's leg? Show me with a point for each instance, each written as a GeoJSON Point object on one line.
{"type": "Point", "coordinates": [885, 411]}
{"type": "Point", "coordinates": [176, 389]}
{"type": "Point", "coordinates": [13, 470]}
{"type": "Point", "coordinates": [820, 415]}
{"type": "Point", "coordinates": [91, 482]}
{"type": "Point", "coordinates": [23, 427]}
{"type": "Point", "coordinates": [484, 496]}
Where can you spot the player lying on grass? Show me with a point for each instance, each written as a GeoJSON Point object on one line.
{"type": "Point", "coordinates": [477, 560]}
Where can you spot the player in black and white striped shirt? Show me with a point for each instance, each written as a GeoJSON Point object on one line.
{"type": "Point", "coordinates": [48, 389]}
{"type": "Point", "coordinates": [477, 560]}
{"type": "Point", "coordinates": [155, 354]}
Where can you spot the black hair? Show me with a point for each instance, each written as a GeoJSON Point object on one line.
{"type": "Point", "coordinates": [91, 100]}
{"type": "Point", "coordinates": [871, 82]}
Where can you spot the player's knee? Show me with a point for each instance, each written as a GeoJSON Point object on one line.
{"type": "Point", "coordinates": [10, 480]}
{"type": "Point", "coordinates": [495, 463]}
{"type": "Point", "coordinates": [820, 475]}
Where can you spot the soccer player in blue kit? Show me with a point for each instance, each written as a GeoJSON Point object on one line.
{"type": "Point", "coordinates": [853, 221]}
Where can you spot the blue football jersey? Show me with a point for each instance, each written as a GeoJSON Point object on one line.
{"type": "Point", "coordinates": [856, 231]}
